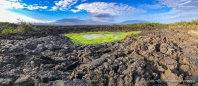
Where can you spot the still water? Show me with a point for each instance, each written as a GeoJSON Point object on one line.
{"type": "Point", "coordinates": [93, 36]}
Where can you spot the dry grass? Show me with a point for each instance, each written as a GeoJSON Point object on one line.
{"type": "Point", "coordinates": [193, 32]}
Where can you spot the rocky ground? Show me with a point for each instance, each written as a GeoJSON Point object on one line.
{"type": "Point", "coordinates": [158, 57]}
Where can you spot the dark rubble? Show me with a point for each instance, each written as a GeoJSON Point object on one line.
{"type": "Point", "coordinates": [48, 58]}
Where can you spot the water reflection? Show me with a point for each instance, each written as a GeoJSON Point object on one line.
{"type": "Point", "coordinates": [93, 36]}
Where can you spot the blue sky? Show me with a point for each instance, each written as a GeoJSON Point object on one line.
{"type": "Point", "coordinates": [98, 11]}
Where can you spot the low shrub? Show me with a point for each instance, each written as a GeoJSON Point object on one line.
{"type": "Point", "coordinates": [26, 27]}
{"type": "Point", "coordinates": [21, 27]}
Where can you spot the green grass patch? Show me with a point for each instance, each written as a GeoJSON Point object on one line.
{"type": "Point", "coordinates": [98, 37]}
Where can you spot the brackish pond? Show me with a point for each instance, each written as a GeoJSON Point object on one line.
{"type": "Point", "coordinates": [98, 37]}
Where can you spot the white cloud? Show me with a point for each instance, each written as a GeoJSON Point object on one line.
{"type": "Point", "coordinates": [17, 4]}
{"type": "Point", "coordinates": [54, 8]}
{"type": "Point", "coordinates": [180, 9]}
{"type": "Point", "coordinates": [35, 7]}
{"type": "Point", "coordinates": [75, 11]}
{"type": "Point", "coordinates": [11, 4]}
{"type": "Point", "coordinates": [12, 17]}
{"type": "Point", "coordinates": [63, 4]}
{"type": "Point", "coordinates": [9, 16]}
{"type": "Point", "coordinates": [176, 3]}
{"type": "Point", "coordinates": [182, 5]}
{"type": "Point", "coordinates": [108, 8]}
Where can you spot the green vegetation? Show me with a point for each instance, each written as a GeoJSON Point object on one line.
{"type": "Point", "coordinates": [183, 24]}
{"type": "Point", "coordinates": [9, 28]}
{"type": "Point", "coordinates": [79, 38]}
{"type": "Point", "coordinates": [144, 25]}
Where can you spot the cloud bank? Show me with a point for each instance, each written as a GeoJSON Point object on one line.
{"type": "Point", "coordinates": [102, 17]}
{"type": "Point", "coordinates": [107, 8]}
{"type": "Point", "coordinates": [76, 21]}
